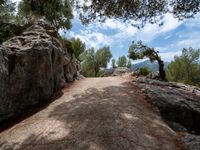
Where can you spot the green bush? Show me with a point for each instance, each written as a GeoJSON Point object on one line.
{"type": "Point", "coordinates": [186, 67]}
{"type": "Point", "coordinates": [144, 71]}
{"type": "Point", "coordinates": [67, 44]}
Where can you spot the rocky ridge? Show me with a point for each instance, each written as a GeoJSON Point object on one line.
{"type": "Point", "coordinates": [178, 104]}
{"type": "Point", "coordinates": [33, 66]}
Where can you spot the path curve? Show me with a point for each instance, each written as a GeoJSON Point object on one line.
{"type": "Point", "coordinates": [93, 114]}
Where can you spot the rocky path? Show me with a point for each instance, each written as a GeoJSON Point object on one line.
{"type": "Point", "coordinates": [95, 114]}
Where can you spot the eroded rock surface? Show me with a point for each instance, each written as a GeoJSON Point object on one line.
{"type": "Point", "coordinates": [192, 142]}
{"type": "Point", "coordinates": [32, 68]}
{"type": "Point", "coordinates": [119, 71]}
{"type": "Point", "coordinates": [179, 105]}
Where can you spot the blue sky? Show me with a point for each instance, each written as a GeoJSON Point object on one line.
{"type": "Point", "coordinates": [169, 39]}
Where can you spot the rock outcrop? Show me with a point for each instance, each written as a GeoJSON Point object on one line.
{"type": "Point", "coordinates": [115, 71]}
{"type": "Point", "coordinates": [72, 69]}
{"type": "Point", "coordinates": [178, 104]}
{"type": "Point", "coordinates": [120, 70]}
{"type": "Point", "coordinates": [33, 66]}
{"type": "Point", "coordinates": [192, 142]}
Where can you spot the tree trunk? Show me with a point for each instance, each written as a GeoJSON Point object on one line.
{"type": "Point", "coordinates": [96, 71]}
{"type": "Point", "coordinates": [161, 70]}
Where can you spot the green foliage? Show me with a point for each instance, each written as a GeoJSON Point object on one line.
{"type": "Point", "coordinates": [129, 64]}
{"type": "Point", "coordinates": [78, 47]}
{"type": "Point", "coordinates": [7, 8]}
{"type": "Point", "coordinates": [103, 56]}
{"type": "Point", "coordinates": [122, 61]}
{"type": "Point", "coordinates": [24, 15]}
{"type": "Point", "coordinates": [8, 27]}
{"type": "Point", "coordinates": [93, 61]}
{"type": "Point", "coordinates": [185, 68]}
{"type": "Point", "coordinates": [57, 12]}
{"type": "Point", "coordinates": [185, 9]}
{"type": "Point", "coordinates": [144, 71]}
{"type": "Point", "coordinates": [138, 50]}
{"type": "Point", "coordinates": [7, 31]}
{"type": "Point", "coordinates": [67, 44]}
{"type": "Point", "coordinates": [144, 11]}
{"type": "Point", "coordinates": [114, 63]}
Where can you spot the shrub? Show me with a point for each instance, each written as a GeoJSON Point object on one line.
{"type": "Point", "coordinates": [144, 71]}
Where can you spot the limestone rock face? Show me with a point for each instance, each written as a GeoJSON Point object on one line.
{"type": "Point", "coordinates": [32, 69]}
{"type": "Point", "coordinates": [192, 142]}
{"type": "Point", "coordinates": [176, 102]}
{"type": "Point", "coordinates": [72, 69]}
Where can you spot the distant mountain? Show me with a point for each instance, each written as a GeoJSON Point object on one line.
{"type": "Point", "coordinates": [147, 63]}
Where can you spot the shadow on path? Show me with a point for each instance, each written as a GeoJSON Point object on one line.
{"type": "Point", "coordinates": [111, 118]}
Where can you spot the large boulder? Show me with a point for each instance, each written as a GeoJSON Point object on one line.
{"type": "Point", "coordinates": [32, 69]}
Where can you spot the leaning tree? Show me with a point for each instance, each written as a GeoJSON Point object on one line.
{"type": "Point", "coordinates": [138, 50]}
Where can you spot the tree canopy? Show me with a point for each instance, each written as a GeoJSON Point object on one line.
{"type": "Point", "coordinates": [78, 47]}
{"type": "Point", "coordinates": [129, 64]}
{"type": "Point", "coordinates": [185, 68]}
{"type": "Point", "coordinates": [7, 8]}
{"type": "Point", "coordinates": [57, 12]}
{"type": "Point", "coordinates": [136, 10]}
{"type": "Point", "coordinates": [122, 61]}
{"type": "Point", "coordinates": [93, 61]}
{"type": "Point", "coordinates": [114, 63]}
{"type": "Point", "coordinates": [7, 20]}
{"type": "Point", "coordinates": [138, 50]}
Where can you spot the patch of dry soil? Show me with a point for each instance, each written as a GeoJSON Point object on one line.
{"type": "Point", "coordinates": [94, 114]}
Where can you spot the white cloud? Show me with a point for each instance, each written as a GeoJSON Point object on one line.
{"type": "Point", "coordinates": [93, 39]}
{"type": "Point", "coordinates": [193, 22]}
{"type": "Point", "coordinates": [194, 42]}
{"type": "Point", "coordinates": [168, 56]}
{"type": "Point", "coordinates": [116, 33]}
{"type": "Point", "coordinates": [151, 31]}
{"type": "Point", "coordinates": [99, 34]}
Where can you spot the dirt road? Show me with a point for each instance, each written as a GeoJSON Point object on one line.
{"type": "Point", "coordinates": [95, 114]}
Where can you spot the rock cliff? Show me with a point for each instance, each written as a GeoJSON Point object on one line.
{"type": "Point", "coordinates": [33, 66]}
